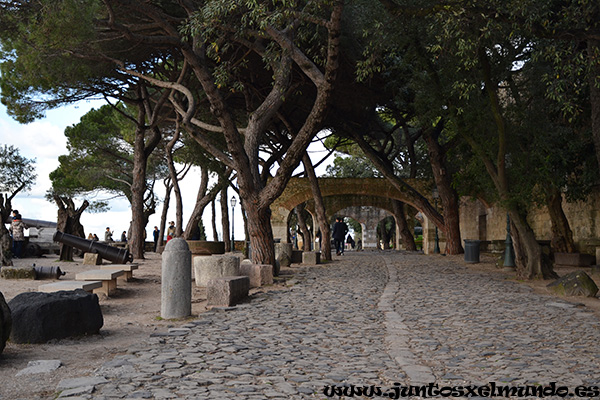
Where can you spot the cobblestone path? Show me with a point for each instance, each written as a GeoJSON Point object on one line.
{"type": "Point", "coordinates": [368, 319]}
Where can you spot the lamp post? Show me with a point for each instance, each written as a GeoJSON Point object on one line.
{"type": "Point", "coordinates": [233, 203]}
{"type": "Point", "coordinates": [435, 194]}
{"type": "Point", "coordinates": [509, 253]}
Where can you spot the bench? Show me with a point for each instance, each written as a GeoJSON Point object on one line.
{"type": "Point", "coordinates": [107, 277]}
{"type": "Point", "coordinates": [126, 268]}
{"type": "Point", "coordinates": [88, 286]}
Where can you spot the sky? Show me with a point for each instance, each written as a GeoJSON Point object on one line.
{"type": "Point", "coordinates": [44, 141]}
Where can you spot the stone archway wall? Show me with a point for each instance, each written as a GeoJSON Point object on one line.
{"type": "Point", "coordinates": [369, 218]}
{"type": "Point", "coordinates": [338, 193]}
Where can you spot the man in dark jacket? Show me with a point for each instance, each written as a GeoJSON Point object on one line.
{"type": "Point", "coordinates": [339, 234]}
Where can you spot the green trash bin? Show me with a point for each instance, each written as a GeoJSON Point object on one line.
{"type": "Point", "coordinates": [472, 251]}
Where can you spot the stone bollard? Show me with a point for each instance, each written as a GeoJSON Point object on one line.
{"type": "Point", "coordinates": [215, 266]}
{"type": "Point", "coordinates": [176, 289]}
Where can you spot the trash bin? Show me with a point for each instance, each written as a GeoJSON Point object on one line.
{"type": "Point", "coordinates": [472, 251]}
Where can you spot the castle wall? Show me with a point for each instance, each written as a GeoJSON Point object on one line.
{"type": "Point", "coordinates": [477, 221]}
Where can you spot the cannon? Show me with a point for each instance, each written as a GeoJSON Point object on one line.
{"type": "Point", "coordinates": [110, 253]}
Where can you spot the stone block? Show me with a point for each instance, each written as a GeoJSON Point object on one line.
{"type": "Point", "coordinates": [283, 254]}
{"type": "Point", "coordinates": [574, 284]}
{"type": "Point", "coordinates": [204, 247]}
{"type": "Point", "coordinates": [297, 256]}
{"type": "Point", "coordinates": [92, 259]}
{"type": "Point", "coordinates": [39, 317]}
{"type": "Point", "coordinates": [215, 266]}
{"type": "Point", "coordinates": [227, 291]}
{"type": "Point", "coordinates": [574, 259]}
{"type": "Point", "coordinates": [259, 274]}
{"type": "Point", "coordinates": [5, 322]}
{"type": "Point", "coordinates": [311, 257]}
{"type": "Point", "coordinates": [17, 272]}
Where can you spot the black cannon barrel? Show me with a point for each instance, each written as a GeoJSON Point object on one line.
{"type": "Point", "coordinates": [48, 272]}
{"type": "Point", "coordinates": [110, 253]}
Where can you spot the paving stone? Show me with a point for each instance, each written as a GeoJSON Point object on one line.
{"type": "Point", "coordinates": [368, 319]}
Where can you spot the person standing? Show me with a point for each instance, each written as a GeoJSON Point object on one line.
{"type": "Point", "coordinates": [171, 231]}
{"type": "Point", "coordinates": [108, 235]}
{"type": "Point", "coordinates": [17, 230]}
{"type": "Point", "coordinates": [156, 235]}
{"type": "Point", "coordinates": [339, 234]}
{"type": "Point", "coordinates": [124, 237]}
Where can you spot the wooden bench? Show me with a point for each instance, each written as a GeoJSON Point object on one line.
{"type": "Point", "coordinates": [126, 268]}
{"type": "Point", "coordinates": [107, 277]}
{"type": "Point", "coordinates": [88, 286]}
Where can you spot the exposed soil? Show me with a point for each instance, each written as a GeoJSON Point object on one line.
{"type": "Point", "coordinates": [130, 316]}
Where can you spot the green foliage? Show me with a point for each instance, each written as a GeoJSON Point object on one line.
{"type": "Point", "coordinates": [352, 167]}
{"type": "Point", "coordinates": [40, 67]}
{"type": "Point", "coordinates": [100, 155]}
{"type": "Point", "coordinates": [17, 172]}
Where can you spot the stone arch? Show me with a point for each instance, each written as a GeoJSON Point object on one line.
{"type": "Point", "coordinates": [338, 193]}
{"type": "Point", "coordinates": [368, 217]}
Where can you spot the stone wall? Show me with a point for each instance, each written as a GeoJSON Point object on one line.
{"type": "Point", "coordinates": [478, 221]}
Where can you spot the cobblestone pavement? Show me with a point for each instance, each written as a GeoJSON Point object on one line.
{"type": "Point", "coordinates": [368, 319]}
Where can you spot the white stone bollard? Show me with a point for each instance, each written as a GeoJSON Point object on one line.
{"type": "Point", "coordinates": [176, 288]}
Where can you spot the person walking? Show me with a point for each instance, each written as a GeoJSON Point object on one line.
{"type": "Point", "coordinates": [339, 234]}
{"type": "Point", "coordinates": [17, 230]}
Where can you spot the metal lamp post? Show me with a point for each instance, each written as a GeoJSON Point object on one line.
{"type": "Point", "coordinates": [436, 248]}
{"type": "Point", "coordinates": [233, 203]}
{"type": "Point", "coordinates": [509, 253]}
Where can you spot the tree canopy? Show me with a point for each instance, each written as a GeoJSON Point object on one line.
{"type": "Point", "coordinates": [497, 99]}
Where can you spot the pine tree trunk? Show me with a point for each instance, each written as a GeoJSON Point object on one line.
{"type": "Point", "coordinates": [305, 231]}
{"type": "Point", "coordinates": [5, 241]}
{"type": "Point", "coordinates": [261, 236]}
{"type": "Point", "coordinates": [225, 219]}
{"type": "Point", "coordinates": [163, 215]}
{"type": "Point", "coordinates": [530, 260]}
{"type": "Point", "coordinates": [448, 196]}
{"type": "Point", "coordinates": [69, 222]}
{"type": "Point", "coordinates": [408, 240]}
{"type": "Point", "coordinates": [562, 235]}
{"type": "Point", "coordinates": [325, 240]}
{"type": "Point", "coordinates": [138, 188]}
{"type": "Point", "coordinates": [214, 220]}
